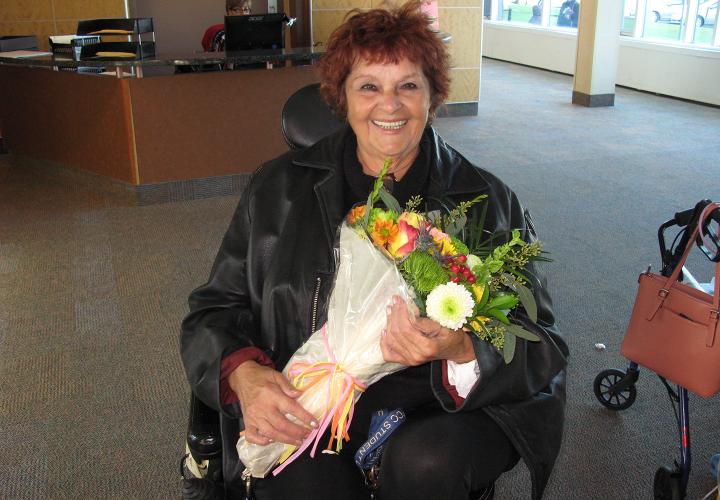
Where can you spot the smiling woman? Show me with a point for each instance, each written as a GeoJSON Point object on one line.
{"type": "Point", "coordinates": [469, 415]}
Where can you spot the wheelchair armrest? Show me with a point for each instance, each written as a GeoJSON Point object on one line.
{"type": "Point", "coordinates": [203, 434]}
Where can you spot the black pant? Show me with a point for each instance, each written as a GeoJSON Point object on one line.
{"type": "Point", "coordinates": [433, 455]}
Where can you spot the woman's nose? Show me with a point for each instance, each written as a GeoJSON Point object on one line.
{"type": "Point", "coordinates": [391, 101]}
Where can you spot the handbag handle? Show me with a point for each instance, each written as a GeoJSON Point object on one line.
{"type": "Point", "coordinates": [665, 291]}
{"type": "Point", "coordinates": [676, 272]}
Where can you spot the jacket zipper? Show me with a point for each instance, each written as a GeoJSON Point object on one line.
{"type": "Point", "coordinates": [314, 305]}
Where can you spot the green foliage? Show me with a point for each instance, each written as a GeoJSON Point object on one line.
{"type": "Point", "coordinates": [379, 182]}
{"type": "Point", "coordinates": [460, 247]}
{"type": "Point", "coordinates": [423, 272]}
{"type": "Point", "coordinates": [455, 221]}
{"type": "Point", "coordinates": [413, 203]}
{"type": "Point", "coordinates": [508, 351]}
{"type": "Point", "coordinates": [375, 193]}
{"type": "Point", "coordinates": [493, 334]}
{"type": "Point", "coordinates": [521, 332]}
{"type": "Point", "coordinates": [389, 200]}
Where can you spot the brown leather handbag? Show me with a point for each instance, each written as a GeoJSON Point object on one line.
{"type": "Point", "coordinates": [674, 329]}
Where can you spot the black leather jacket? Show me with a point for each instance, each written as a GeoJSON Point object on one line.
{"type": "Point", "coordinates": [272, 278]}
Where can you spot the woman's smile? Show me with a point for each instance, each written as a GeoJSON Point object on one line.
{"type": "Point", "coordinates": [390, 125]}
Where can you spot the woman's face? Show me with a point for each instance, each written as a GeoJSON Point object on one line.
{"type": "Point", "coordinates": [243, 10]}
{"type": "Point", "coordinates": [387, 108]}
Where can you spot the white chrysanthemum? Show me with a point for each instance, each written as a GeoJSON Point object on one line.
{"type": "Point", "coordinates": [450, 305]}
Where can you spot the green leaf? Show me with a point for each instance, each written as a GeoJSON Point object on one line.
{"type": "Point", "coordinates": [498, 315]}
{"type": "Point", "coordinates": [527, 299]}
{"type": "Point", "coordinates": [503, 302]}
{"type": "Point", "coordinates": [368, 209]}
{"type": "Point", "coordinates": [485, 296]}
{"type": "Point", "coordinates": [389, 200]}
{"type": "Point", "coordinates": [460, 247]}
{"type": "Point", "coordinates": [379, 182]}
{"type": "Point", "coordinates": [420, 305]}
{"type": "Point", "coordinates": [456, 225]}
{"type": "Point", "coordinates": [509, 348]}
{"type": "Point", "coordinates": [494, 265]}
{"type": "Point", "coordinates": [476, 228]}
{"type": "Point", "coordinates": [435, 217]}
{"type": "Point", "coordinates": [523, 333]}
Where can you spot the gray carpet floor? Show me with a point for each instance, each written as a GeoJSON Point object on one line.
{"type": "Point", "coordinates": [93, 287]}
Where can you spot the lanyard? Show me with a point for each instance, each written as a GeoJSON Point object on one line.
{"type": "Point", "coordinates": [383, 423]}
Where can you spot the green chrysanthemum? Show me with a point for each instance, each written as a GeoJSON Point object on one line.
{"type": "Point", "coordinates": [423, 272]}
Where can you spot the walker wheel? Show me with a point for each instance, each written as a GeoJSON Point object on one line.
{"type": "Point", "coordinates": [667, 484]}
{"type": "Point", "coordinates": [604, 387]}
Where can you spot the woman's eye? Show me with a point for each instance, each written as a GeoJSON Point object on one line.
{"type": "Point", "coordinates": [368, 86]}
{"type": "Point", "coordinates": [409, 86]}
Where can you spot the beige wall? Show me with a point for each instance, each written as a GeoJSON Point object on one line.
{"type": "Point", "coordinates": [52, 17]}
{"type": "Point", "coordinates": [461, 18]}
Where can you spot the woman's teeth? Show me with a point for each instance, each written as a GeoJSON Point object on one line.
{"type": "Point", "coordinates": [390, 125]}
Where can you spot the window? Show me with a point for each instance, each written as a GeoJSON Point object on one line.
{"type": "Point", "coordinates": [551, 13]}
{"type": "Point", "coordinates": [685, 21]}
{"type": "Point", "coordinates": [564, 13]}
{"type": "Point", "coordinates": [674, 21]}
{"type": "Point", "coordinates": [663, 19]}
{"type": "Point", "coordinates": [629, 17]}
{"type": "Point", "coordinates": [706, 31]}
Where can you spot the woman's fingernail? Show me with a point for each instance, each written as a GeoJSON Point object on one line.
{"type": "Point", "coordinates": [313, 424]}
{"type": "Point", "coordinates": [388, 310]}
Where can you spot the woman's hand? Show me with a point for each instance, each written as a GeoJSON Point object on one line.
{"type": "Point", "coordinates": [415, 341]}
{"type": "Point", "coordinates": [269, 406]}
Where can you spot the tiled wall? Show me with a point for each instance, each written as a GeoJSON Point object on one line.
{"type": "Point", "coordinates": [53, 17]}
{"type": "Point", "coordinates": [460, 18]}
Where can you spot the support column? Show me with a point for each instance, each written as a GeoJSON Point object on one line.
{"type": "Point", "coordinates": [597, 52]}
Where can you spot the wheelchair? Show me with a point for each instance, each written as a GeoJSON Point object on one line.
{"type": "Point", "coordinates": [305, 119]}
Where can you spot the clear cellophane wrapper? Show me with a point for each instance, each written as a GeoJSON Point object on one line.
{"type": "Point", "coordinates": [339, 360]}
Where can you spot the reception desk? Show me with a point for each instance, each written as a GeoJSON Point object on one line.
{"type": "Point", "coordinates": [142, 122]}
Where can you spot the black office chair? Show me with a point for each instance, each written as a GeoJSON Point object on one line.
{"type": "Point", "coordinates": [305, 119]}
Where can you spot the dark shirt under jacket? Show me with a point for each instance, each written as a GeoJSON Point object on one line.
{"type": "Point", "coordinates": [358, 184]}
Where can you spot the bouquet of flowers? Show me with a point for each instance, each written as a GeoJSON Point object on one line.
{"type": "Point", "coordinates": [463, 284]}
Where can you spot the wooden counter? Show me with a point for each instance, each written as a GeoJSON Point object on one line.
{"type": "Point", "coordinates": [148, 130]}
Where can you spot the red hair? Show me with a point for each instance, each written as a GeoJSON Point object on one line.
{"type": "Point", "coordinates": [384, 36]}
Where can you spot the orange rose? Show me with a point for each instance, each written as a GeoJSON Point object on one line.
{"type": "Point", "coordinates": [404, 241]}
{"type": "Point", "coordinates": [412, 218]}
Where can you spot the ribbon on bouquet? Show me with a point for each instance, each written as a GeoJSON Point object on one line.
{"type": "Point", "coordinates": [343, 390]}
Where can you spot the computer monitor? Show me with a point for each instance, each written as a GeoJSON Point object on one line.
{"type": "Point", "coordinates": [262, 31]}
